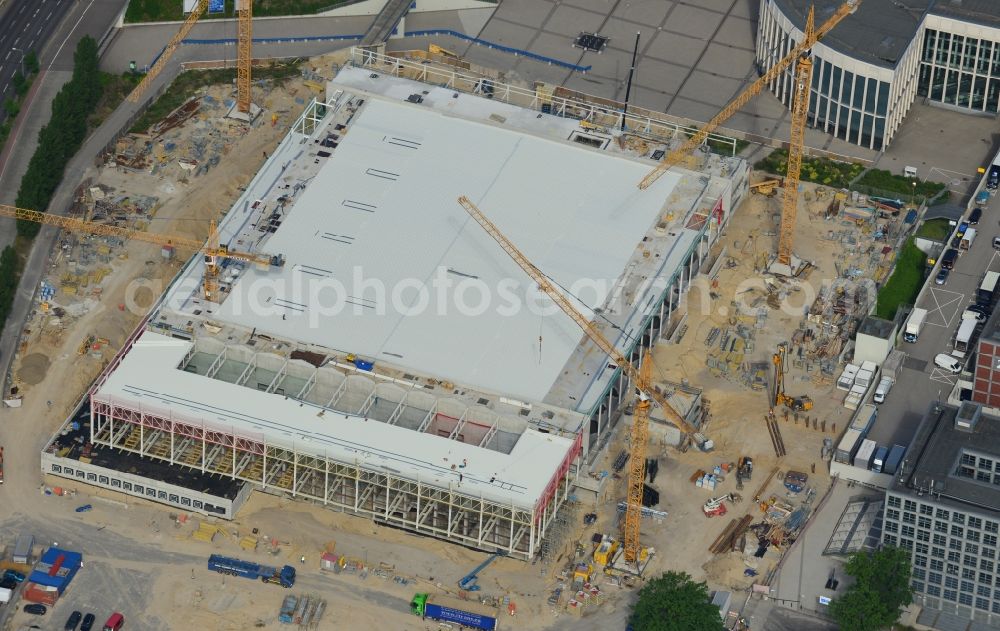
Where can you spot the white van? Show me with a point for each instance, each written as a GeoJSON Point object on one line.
{"type": "Point", "coordinates": [947, 362]}
{"type": "Point", "coordinates": [883, 389]}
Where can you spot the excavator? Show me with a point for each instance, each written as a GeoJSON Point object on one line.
{"type": "Point", "coordinates": [796, 404]}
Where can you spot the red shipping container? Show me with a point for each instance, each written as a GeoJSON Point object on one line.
{"type": "Point", "coordinates": [41, 594]}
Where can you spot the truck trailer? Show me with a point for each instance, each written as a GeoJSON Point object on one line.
{"type": "Point", "coordinates": [248, 569]}
{"type": "Point", "coordinates": [465, 613]}
{"type": "Point", "coordinates": [914, 324]}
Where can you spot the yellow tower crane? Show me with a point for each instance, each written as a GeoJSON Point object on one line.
{"type": "Point", "coordinates": [802, 76]}
{"type": "Point", "coordinates": [244, 55]}
{"type": "Point", "coordinates": [640, 379]}
{"type": "Point", "coordinates": [676, 156]}
{"type": "Point", "coordinates": [213, 252]}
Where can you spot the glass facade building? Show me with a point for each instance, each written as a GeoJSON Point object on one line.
{"type": "Point", "coordinates": [962, 70]}
{"type": "Point", "coordinates": [863, 86]}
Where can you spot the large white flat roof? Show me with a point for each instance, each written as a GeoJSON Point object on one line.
{"type": "Point", "coordinates": [383, 206]}
{"type": "Point", "coordinates": [149, 377]}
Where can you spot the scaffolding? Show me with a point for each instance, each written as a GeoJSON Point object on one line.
{"type": "Point", "coordinates": [444, 513]}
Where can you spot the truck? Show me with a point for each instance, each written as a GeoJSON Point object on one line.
{"type": "Point", "coordinates": [863, 459]}
{"type": "Point", "coordinates": [987, 292]}
{"type": "Point", "coordinates": [848, 446]}
{"type": "Point", "coordinates": [248, 569]}
{"type": "Point", "coordinates": [967, 239]}
{"type": "Point", "coordinates": [864, 418]}
{"type": "Point", "coordinates": [878, 460]}
{"type": "Point", "coordinates": [894, 459]}
{"type": "Point", "coordinates": [445, 609]}
{"type": "Point", "coordinates": [914, 324]}
{"type": "Point", "coordinates": [964, 338]}
{"type": "Point", "coordinates": [22, 549]}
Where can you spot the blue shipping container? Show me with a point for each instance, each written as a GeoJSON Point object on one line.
{"type": "Point", "coordinates": [474, 620]}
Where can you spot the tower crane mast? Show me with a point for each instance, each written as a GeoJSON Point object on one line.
{"type": "Point", "coordinates": [812, 36]}
{"type": "Point", "coordinates": [640, 377]}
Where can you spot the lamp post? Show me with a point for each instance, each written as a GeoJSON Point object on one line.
{"type": "Point", "coordinates": [913, 197]}
{"type": "Point", "coordinates": [20, 50]}
{"type": "Point", "coordinates": [628, 86]}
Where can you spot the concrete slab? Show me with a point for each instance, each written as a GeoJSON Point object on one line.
{"type": "Point", "coordinates": [571, 21]}
{"type": "Point", "coordinates": [966, 142]}
{"type": "Point", "coordinates": [527, 12]}
{"type": "Point", "coordinates": [622, 34]}
{"type": "Point", "coordinates": [702, 86]}
{"type": "Point", "coordinates": [726, 61]}
{"type": "Point", "coordinates": [737, 32]}
{"type": "Point", "coordinates": [721, 6]}
{"type": "Point", "coordinates": [559, 47]}
{"type": "Point", "coordinates": [660, 75]}
{"type": "Point", "coordinates": [611, 64]}
{"type": "Point", "coordinates": [745, 9]}
{"type": "Point", "coordinates": [651, 14]}
{"type": "Point", "coordinates": [676, 48]}
{"type": "Point", "coordinates": [692, 21]}
{"type": "Point", "coordinates": [509, 34]}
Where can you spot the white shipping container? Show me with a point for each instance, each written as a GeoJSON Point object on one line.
{"type": "Point", "coordinates": [864, 378]}
{"type": "Point", "coordinates": [865, 452]}
{"type": "Point", "coordinates": [5, 595]}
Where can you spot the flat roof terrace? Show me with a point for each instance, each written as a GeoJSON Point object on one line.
{"type": "Point", "coordinates": [381, 220]}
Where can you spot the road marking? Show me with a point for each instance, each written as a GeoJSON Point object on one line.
{"type": "Point", "coordinates": [31, 44]}
{"type": "Point", "coordinates": [35, 14]}
{"type": "Point", "coordinates": [941, 376]}
{"type": "Point", "coordinates": [59, 50]}
{"type": "Point", "coordinates": [941, 300]}
{"type": "Point", "coordinates": [49, 16]}
{"type": "Point", "coordinates": [23, 6]}
{"type": "Point", "coordinates": [16, 41]}
{"type": "Point", "coordinates": [8, 55]}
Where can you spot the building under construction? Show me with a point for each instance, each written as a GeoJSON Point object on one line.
{"type": "Point", "coordinates": [395, 363]}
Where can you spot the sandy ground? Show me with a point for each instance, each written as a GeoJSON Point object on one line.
{"type": "Point", "coordinates": [180, 594]}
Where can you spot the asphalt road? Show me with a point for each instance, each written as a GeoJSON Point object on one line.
{"type": "Point", "coordinates": [25, 25]}
{"type": "Point", "coordinates": [921, 382]}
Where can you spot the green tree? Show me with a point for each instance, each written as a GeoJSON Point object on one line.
{"type": "Point", "coordinates": [674, 602]}
{"type": "Point", "coordinates": [31, 62]}
{"type": "Point", "coordinates": [12, 107]}
{"type": "Point", "coordinates": [20, 83]}
{"type": "Point", "coordinates": [881, 590]}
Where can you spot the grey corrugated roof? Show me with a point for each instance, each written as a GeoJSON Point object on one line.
{"type": "Point", "coordinates": [980, 11]}
{"type": "Point", "coordinates": [933, 455]}
{"type": "Point", "coordinates": [878, 32]}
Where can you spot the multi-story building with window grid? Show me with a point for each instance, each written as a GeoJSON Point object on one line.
{"type": "Point", "coordinates": [869, 70]}
{"type": "Point", "coordinates": [943, 506]}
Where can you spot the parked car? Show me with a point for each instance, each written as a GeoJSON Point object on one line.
{"type": "Point", "coordinates": [980, 309]}
{"type": "Point", "coordinates": [8, 583]}
{"type": "Point", "coordinates": [35, 609]}
{"type": "Point", "coordinates": [72, 621]}
{"type": "Point", "coordinates": [956, 242]}
{"type": "Point", "coordinates": [115, 622]}
{"type": "Point", "coordinates": [996, 243]}
{"type": "Point", "coordinates": [949, 258]}
{"type": "Point", "coordinates": [962, 227]}
{"type": "Point", "coordinates": [975, 216]}
{"type": "Point", "coordinates": [978, 316]}
{"type": "Point", "coordinates": [947, 362]}
{"type": "Point", "coordinates": [14, 575]}
{"type": "Point", "coordinates": [88, 622]}
{"type": "Point", "coordinates": [942, 277]}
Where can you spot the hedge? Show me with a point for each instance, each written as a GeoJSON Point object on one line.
{"type": "Point", "coordinates": [817, 170]}
{"type": "Point", "coordinates": [889, 182]}
{"type": "Point", "coordinates": [60, 139]}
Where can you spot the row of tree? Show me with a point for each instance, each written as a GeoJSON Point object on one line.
{"type": "Point", "coordinates": [881, 589]}
{"type": "Point", "coordinates": [60, 139]}
{"type": "Point", "coordinates": [9, 267]}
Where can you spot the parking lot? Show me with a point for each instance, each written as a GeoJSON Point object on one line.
{"type": "Point", "coordinates": [921, 382]}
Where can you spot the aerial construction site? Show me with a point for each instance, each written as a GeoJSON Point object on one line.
{"type": "Point", "coordinates": [443, 321]}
